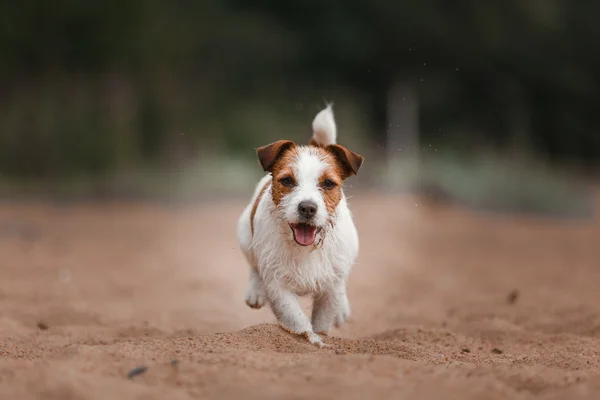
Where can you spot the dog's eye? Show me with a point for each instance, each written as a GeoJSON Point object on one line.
{"type": "Point", "coordinates": [287, 181]}
{"type": "Point", "coordinates": [328, 184]}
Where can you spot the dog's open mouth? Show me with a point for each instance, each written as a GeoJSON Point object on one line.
{"type": "Point", "coordinates": [304, 234]}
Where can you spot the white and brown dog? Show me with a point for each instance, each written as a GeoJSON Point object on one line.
{"type": "Point", "coordinates": [297, 231]}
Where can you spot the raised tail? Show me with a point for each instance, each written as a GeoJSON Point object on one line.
{"type": "Point", "coordinates": [324, 128]}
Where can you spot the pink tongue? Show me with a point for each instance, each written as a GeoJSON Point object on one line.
{"type": "Point", "coordinates": [304, 234]}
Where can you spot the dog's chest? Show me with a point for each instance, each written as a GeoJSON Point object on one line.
{"type": "Point", "coordinates": [305, 271]}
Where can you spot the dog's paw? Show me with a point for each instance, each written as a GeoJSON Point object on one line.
{"type": "Point", "coordinates": [315, 339]}
{"type": "Point", "coordinates": [256, 298]}
{"type": "Point", "coordinates": [310, 336]}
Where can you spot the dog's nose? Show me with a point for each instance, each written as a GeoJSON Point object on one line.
{"type": "Point", "coordinates": [307, 209]}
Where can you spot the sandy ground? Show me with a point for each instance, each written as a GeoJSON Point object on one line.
{"type": "Point", "coordinates": [446, 304]}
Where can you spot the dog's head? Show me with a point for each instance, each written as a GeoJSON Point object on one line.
{"type": "Point", "coordinates": [307, 183]}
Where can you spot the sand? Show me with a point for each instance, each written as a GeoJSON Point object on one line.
{"type": "Point", "coordinates": [446, 303]}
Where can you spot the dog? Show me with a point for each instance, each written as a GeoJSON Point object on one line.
{"type": "Point", "coordinates": [298, 234]}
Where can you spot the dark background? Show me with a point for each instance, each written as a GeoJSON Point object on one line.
{"type": "Point", "coordinates": [94, 91]}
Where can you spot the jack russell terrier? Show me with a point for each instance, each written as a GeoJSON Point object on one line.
{"type": "Point", "coordinates": [297, 232]}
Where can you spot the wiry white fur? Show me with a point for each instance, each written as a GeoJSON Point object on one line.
{"type": "Point", "coordinates": [324, 127]}
{"type": "Point", "coordinates": [281, 269]}
{"type": "Point", "coordinates": [307, 167]}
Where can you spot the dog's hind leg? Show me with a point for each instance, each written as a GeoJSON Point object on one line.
{"type": "Point", "coordinates": [343, 314]}
{"type": "Point", "coordinates": [256, 296]}
{"type": "Point", "coordinates": [255, 291]}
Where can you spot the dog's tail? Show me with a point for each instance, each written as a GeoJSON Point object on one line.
{"type": "Point", "coordinates": [324, 128]}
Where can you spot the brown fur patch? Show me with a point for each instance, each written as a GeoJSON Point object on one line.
{"type": "Point", "coordinates": [283, 169]}
{"type": "Point", "coordinates": [268, 155]}
{"type": "Point", "coordinates": [348, 160]}
{"type": "Point", "coordinates": [333, 173]}
{"type": "Point", "coordinates": [255, 206]}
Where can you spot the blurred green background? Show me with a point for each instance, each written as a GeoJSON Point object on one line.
{"type": "Point", "coordinates": [489, 103]}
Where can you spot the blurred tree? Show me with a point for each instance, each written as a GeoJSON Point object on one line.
{"type": "Point", "coordinates": [502, 54]}
{"type": "Point", "coordinates": [507, 73]}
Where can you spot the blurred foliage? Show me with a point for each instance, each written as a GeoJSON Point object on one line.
{"type": "Point", "coordinates": [94, 87]}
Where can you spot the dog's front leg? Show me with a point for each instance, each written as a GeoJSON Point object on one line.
{"type": "Point", "coordinates": [328, 307]}
{"type": "Point", "coordinates": [289, 314]}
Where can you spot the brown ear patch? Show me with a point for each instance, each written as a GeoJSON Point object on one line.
{"type": "Point", "coordinates": [349, 161]}
{"type": "Point", "coordinates": [269, 154]}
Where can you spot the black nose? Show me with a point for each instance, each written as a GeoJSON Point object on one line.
{"type": "Point", "coordinates": [307, 209]}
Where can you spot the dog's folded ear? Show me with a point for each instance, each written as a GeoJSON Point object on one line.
{"type": "Point", "coordinates": [269, 154]}
{"type": "Point", "coordinates": [348, 160]}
